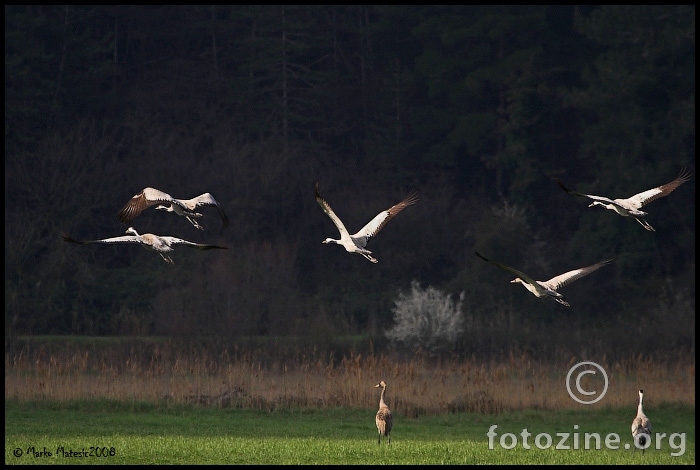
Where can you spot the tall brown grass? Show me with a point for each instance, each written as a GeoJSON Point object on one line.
{"type": "Point", "coordinates": [161, 372]}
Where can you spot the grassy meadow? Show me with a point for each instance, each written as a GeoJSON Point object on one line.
{"type": "Point", "coordinates": [153, 401]}
{"type": "Point", "coordinates": [139, 433]}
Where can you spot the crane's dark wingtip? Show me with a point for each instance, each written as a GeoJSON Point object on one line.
{"type": "Point", "coordinates": [210, 247]}
{"type": "Point", "coordinates": [685, 174]}
{"type": "Point", "coordinates": [124, 217]}
{"type": "Point", "coordinates": [561, 185]}
{"type": "Point", "coordinates": [224, 219]}
{"type": "Point", "coordinates": [318, 195]}
{"type": "Point", "coordinates": [412, 198]}
{"type": "Point", "coordinates": [67, 238]}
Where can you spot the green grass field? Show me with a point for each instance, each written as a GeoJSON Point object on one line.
{"type": "Point", "coordinates": [140, 433]}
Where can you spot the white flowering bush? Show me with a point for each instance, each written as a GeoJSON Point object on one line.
{"type": "Point", "coordinates": [427, 319]}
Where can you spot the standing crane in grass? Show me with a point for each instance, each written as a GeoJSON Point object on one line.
{"type": "Point", "coordinates": [384, 419]}
{"type": "Point", "coordinates": [641, 426]}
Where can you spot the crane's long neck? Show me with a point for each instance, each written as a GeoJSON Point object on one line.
{"type": "Point", "coordinates": [132, 231]}
{"type": "Point", "coordinates": [172, 207]}
{"type": "Point", "coordinates": [381, 398]}
{"type": "Point", "coordinates": [640, 411]}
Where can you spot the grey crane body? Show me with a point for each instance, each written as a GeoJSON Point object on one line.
{"type": "Point", "coordinates": [158, 243]}
{"type": "Point", "coordinates": [548, 288]}
{"type": "Point", "coordinates": [163, 201]}
{"type": "Point", "coordinates": [383, 419]}
{"type": "Point", "coordinates": [356, 243]}
{"type": "Point", "coordinates": [631, 207]}
{"type": "Point", "coordinates": [641, 425]}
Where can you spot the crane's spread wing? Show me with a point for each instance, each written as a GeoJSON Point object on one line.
{"type": "Point", "coordinates": [200, 246]}
{"type": "Point", "coordinates": [142, 201]}
{"type": "Point", "coordinates": [646, 197]}
{"type": "Point", "coordinates": [122, 239]}
{"type": "Point", "coordinates": [591, 196]}
{"type": "Point", "coordinates": [563, 279]}
{"type": "Point", "coordinates": [520, 274]}
{"type": "Point", "coordinates": [207, 199]}
{"type": "Point", "coordinates": [380, 220]}
{"type": "Point", "coordinates": [329, 212]}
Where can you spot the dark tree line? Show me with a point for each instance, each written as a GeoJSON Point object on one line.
{"type": "Point", "coordinates": [478, 108]}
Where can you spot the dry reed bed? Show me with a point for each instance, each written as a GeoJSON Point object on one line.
{"type": "Point", "coordinates": [416, 386]}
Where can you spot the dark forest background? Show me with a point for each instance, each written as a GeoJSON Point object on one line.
{"type": "Point", "coordinates": [478, 108]}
